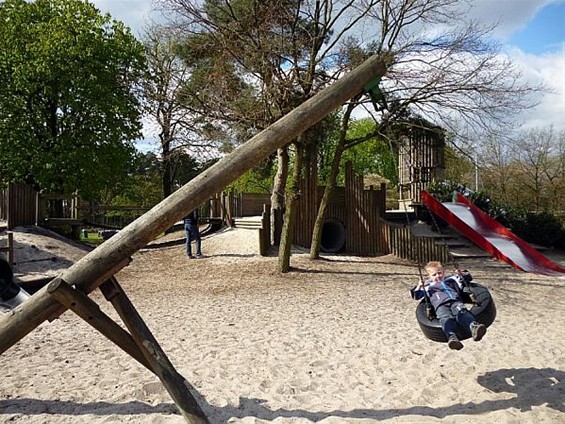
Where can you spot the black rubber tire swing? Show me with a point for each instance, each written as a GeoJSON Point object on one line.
{"type": "Point", "coordinates": [484, 310]}
{"type": "Point", "coordinates": [8, 289]}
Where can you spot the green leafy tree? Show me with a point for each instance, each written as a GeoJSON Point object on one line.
{"type": "Point", "coordinates": [142, 187]}
{"type": "Point", "coordinates": [69, 110]}
{"type": "Point", "coordinates": [372, 156]}
{"type": "Point", "coordinates": [256, 180]}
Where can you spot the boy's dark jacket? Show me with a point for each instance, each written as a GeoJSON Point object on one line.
{"type": "Point", "coordinates": [449, 290]}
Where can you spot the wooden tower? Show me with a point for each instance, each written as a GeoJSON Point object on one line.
{"type": "Point", "coordinates": [421, 160]}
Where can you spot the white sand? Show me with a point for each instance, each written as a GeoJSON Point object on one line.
{"type": "Point", "coordinates": [334, 341]}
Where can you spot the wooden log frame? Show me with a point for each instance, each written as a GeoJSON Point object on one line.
{"type": "Point", "coordinates": [101, 264]}
{"type": "Point", "coordinates": [139, 343]}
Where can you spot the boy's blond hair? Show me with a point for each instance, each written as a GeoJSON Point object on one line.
{"type": "Point", "coordinates": [433, 265]}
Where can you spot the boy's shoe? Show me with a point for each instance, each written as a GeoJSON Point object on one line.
{"type": "Point", "coordinates": [191, 257]}
{"type": "Point", "coordinates": [478, 330]}
{"type": "Point", "coordinates": [454, 343]}
{"type": "Point", "coordinates": [201, 256]}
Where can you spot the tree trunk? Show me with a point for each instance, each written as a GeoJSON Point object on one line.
{"type": "Point", "coordinates": [167, 164]}
{"type": "Point", "coordinates": [277, 197]}
{"type": "Point", "coordinates": [292, 197]}
{"type": "Point", "coordinates": [330, 184]}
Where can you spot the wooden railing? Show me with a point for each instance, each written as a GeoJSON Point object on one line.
{"type": "Point", "coordinates": [109, 216]}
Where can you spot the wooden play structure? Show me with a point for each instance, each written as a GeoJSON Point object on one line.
{"type": "Point", "coordinates": [353, 218]}
{"type": "Point", "coordinates": [96, 270]}
{"type": "Point", "coordinates": [421, 158]}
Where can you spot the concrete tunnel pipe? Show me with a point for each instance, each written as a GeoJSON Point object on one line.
{"type": "Point", "coordinates": [333, 236]}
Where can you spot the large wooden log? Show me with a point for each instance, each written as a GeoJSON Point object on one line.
{"type": "Point", "coordinates": [136, 235]}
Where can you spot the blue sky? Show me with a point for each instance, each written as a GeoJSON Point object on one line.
{"type": "Point", "coordinates": [532, 33]}
{"type": "Point", "coordinates": [545, 32]}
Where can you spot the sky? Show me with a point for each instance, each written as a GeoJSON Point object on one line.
{"type": "Point", "coordinates": [531, 32]}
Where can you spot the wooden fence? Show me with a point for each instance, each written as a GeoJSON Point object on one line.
{"type": "Point", "coordinates": [402, 242]}
{"type": "Point", "coordinates": [228, 205]}
{"type": "Point", "coordinates": [358, 209]}
{"type": "Point", "coordinates": [18, 205]}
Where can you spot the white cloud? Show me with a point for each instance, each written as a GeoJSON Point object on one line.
{"type": "Point", "coordinates": [133, 13]}
{"type": "Point", "coordinates": [548, 69]}
{"type": "Point", "coordinates": [510, 16]}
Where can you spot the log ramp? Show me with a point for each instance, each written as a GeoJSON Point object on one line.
{"type": "Point", "coordinates": [96, 270]}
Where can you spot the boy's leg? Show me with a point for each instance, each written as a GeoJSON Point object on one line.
{"type": "Point", "coordinates": [466, 319]}
{"type": "Point", "coordinates": [449, 326]}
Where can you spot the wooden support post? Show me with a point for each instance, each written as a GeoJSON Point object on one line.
{"type": "Point", "coordinates": [9, 248]}
{"type": "Point", "coordinates": [176, 385]}
{"type": "Point", "coordinates": [90, 312]}
{"type": "Point", "coordinates": [10, 254]}
{"type": "Point", "coordinates": [17, 323]}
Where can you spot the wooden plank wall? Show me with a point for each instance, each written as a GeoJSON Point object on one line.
{"type": "Point", "coordinates": [363, 212]}
{"type": "Point", "coordinates": [4, 204]}
{"type": "Point", "coordinates": [252, 204]}
{"type": "Point", "coordinates": [421, 161]}
{"type": "Point", "coordinates": [310, 197]}
{"type": "Point", "coordinates": [402, 243]}
{"type": "Point", "coordinates": [358, 209]}
{"type": "Point", "coordinates": [22, 204]}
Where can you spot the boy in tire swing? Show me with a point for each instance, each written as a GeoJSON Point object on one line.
{"type": "Point", "coordinates": [445, 294]}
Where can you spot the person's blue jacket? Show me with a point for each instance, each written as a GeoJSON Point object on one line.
{"type": "Point", "coordinates": [191, 220]}
{"type": "Point", "coordinates": [448, 290]}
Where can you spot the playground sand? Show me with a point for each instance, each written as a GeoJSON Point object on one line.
{"type": "Point", "coordinates": [334, 341]}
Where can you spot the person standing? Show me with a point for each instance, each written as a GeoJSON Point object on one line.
{"type": "Point", "coordinates": [193, 234]}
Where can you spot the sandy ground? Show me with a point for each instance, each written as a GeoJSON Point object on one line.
{"type": "Point", "coordinates": [334, 341]}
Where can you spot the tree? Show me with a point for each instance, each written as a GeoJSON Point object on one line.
{"type": "Point", "coordinates": [447, 74]}
{"type": "Point", "coordinates": [369, 154]}
{"type": "Point", "coordinates": [142, 186]}
{"type": "Point", "coordinates": [162, 87]}
{"type": "Point", "coordinates": [69, 109]}
{"type": "Point", "coordinates": [254, 61]}
{"type": "Point", "coordinates": [527, 169]}
{"type": "Point", "coordinates": [539, 167]}
{"type": "Point", "coordinates": [257, 60]}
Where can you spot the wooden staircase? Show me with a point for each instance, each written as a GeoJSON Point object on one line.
{"type": "Point", "coordinates": [459, 246]}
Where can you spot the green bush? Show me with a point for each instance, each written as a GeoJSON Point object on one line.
{"type": "Point", "coordinates": [540, 228]}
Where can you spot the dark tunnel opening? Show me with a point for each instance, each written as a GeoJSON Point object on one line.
{"type": "Point", "coordinates": [333, 236]}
